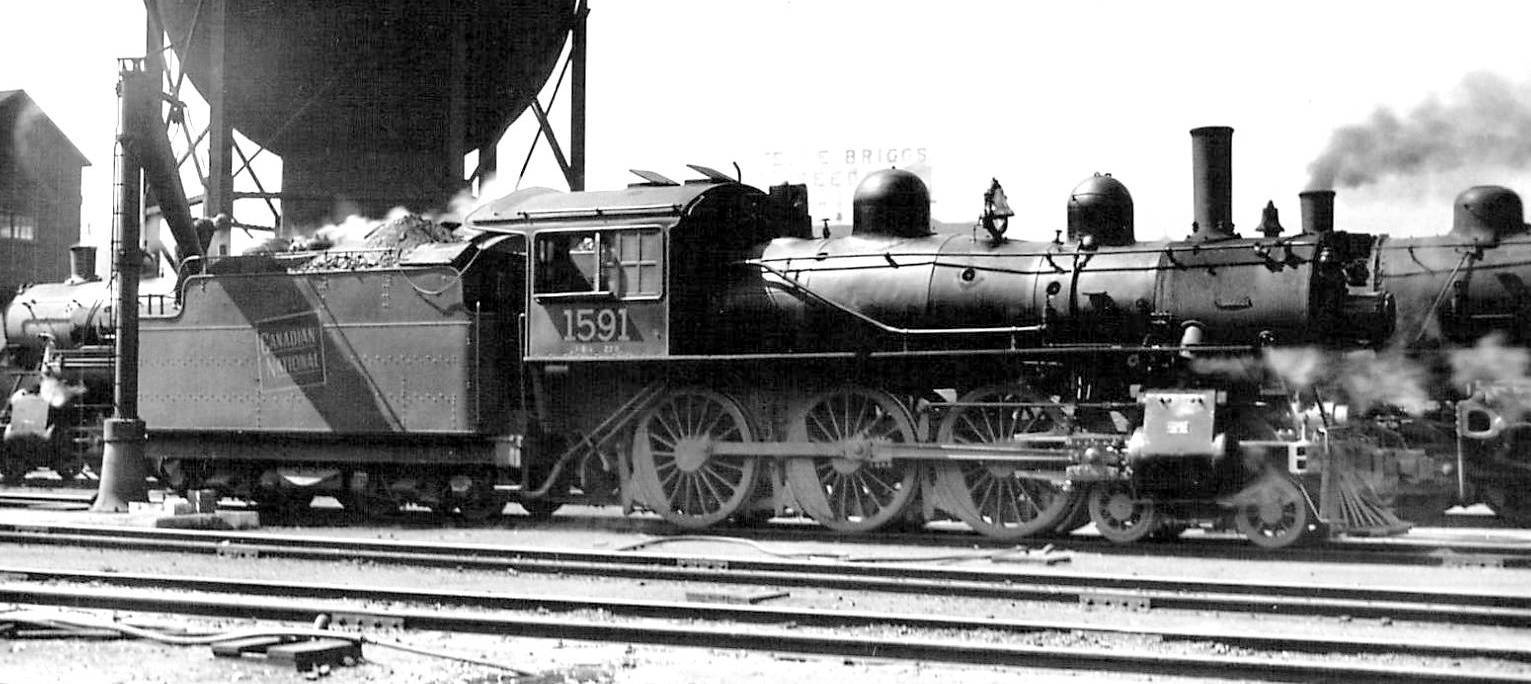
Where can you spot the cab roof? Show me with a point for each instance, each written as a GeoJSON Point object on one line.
{"type": "Point", "coordinates": [527, 210]}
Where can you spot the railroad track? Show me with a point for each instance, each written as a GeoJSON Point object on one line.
{"type": "Point", "coordinates": [843, 573]}
{"type": "Point", "coordinates": [774, 629]}
{"type": "Point", "coordinates": [1404, 551]}
{"type": "Point", "coordinates": [1417, 550]}
{"type": "Point", "coordinates": [1392, 551]}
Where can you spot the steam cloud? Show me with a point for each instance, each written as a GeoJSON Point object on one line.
{"type": "Point", "coordinates": [1388, 377]}
{"type": "Point", "coordinates": [1489, 361]}
{"type": "Point", "coordinates": [1499, 372]}
{"type": "Point", "coordinates": [1368, 379]}
{"type": "Point", "coordinates": [1300, 367]}
{"type": "Point", "coordinates": [1365, 379]}
{"type": "Point", "coordinates": [1488, 121]}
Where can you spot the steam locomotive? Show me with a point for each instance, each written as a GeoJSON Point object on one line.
{"type": "Point", "coordinates": [694, 350]}
{"type": "Point", "coordinates": [1463, 307]}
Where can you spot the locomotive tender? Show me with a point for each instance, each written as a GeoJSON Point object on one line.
{"type": "Point", "coordinates": [694, 350]}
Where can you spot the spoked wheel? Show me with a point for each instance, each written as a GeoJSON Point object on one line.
{"type": "Point", "coordinates": [994, 498]}
{"type": "Point", "coordinates": [1120, 514]}
{"type": "Point", "coordinates": [1275, 514]}
{"type": "Point", "coordinates": [1077, 516]}
{"type": "Point", "coordinates": [851, 493]}
{"type": "Point", "coordinates": [673, 459]}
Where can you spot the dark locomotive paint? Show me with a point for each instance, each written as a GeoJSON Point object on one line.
{"type": "Point", "coordinates": [695, 350]}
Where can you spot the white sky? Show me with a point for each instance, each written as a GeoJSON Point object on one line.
{"type": "Point", "coordinates": [1036, 94]}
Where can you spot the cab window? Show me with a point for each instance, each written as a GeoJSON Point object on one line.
{"type": "Point", "coordinates": [622, 263]}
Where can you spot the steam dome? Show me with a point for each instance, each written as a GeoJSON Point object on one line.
{"type": "Point", "coordinates": [891, 202]}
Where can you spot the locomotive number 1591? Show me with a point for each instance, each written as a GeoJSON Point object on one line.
{"type": "Point", "coordinates": [604, 324]}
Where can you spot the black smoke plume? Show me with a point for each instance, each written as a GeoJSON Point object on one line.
{"type": "Point", "coordinates": [1487, 121]}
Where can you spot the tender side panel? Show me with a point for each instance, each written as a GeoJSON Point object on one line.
{"type": "Point", "coordinates": [335, 353]}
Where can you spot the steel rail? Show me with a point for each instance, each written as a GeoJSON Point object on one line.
{"type": "Point", "coordinates": [97, 595]}
{"type": "Point", "coordinates": [13, 498]}
{"type": "Point", "coordinates": [1291, 598]}
{"type": "Point", "coordinates": [1390, 551]}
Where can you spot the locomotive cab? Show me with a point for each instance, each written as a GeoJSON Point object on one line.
{"type": "Point", "coordinates": [641, 272]}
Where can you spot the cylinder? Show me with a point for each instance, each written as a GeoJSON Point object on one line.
{"type": "Point", "coordinates": [1317, 211]}
{"type": "Point", "coordinates": [1212, 180]}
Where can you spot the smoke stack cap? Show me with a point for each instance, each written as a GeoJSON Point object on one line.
{"type": "Point", "coordinates": [1488, 212]}
{"type": "Point", "coordinates": [1317, 211]}
{"type": "Point", "coordinates": [891, 202]}
{"type": "Point", "coordinates": [82, 264]}
{"type": "Point", "coordinates": [1100, 208]}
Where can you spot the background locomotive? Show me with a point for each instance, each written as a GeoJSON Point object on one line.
{"type": "Point", "coordinates": [694, 350]}
{"type": "Point", "coordinates": [1463, 306]}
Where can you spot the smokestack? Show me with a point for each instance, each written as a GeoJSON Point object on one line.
{"type": "Point", "coordinates": [1317, 211]}
{"type": "Point", "coordinates": [82, 264]}
{"type": "Point", "coordinates": [1212, 181]}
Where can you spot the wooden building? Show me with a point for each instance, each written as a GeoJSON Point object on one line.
{"type": "Point", "coordinates": [39, 195]}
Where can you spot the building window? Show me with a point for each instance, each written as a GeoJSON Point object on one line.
{"type": "Point", "coordinates": [18, 226]}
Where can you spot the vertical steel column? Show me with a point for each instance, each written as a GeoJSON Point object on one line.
{"type": "Point", "coordinates": [457, 97]}
{"type": "Point", "coordinates": [123, 470]}
{"type": "Point", "coordinates": [219, 193]}
{"type": "Point", "coordinates": [577, 101]}
{"type": "Point", "coordinates": [154, 67]}
{"type": "Point", "coordinates": [154, 43]}
{"type": "Point", "coordinates": [488, 162]}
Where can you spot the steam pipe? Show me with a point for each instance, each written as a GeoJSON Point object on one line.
{"type": "Point", "coordinates": [1212, 181]}
{"type": "Point", "coordinates": [143, 130]}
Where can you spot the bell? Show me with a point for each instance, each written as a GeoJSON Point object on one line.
{"type": "Point", "coordinates": [1270, 221]}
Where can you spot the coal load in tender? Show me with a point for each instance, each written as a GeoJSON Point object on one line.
{"type": "Point", "coordinates": [383, 244]}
